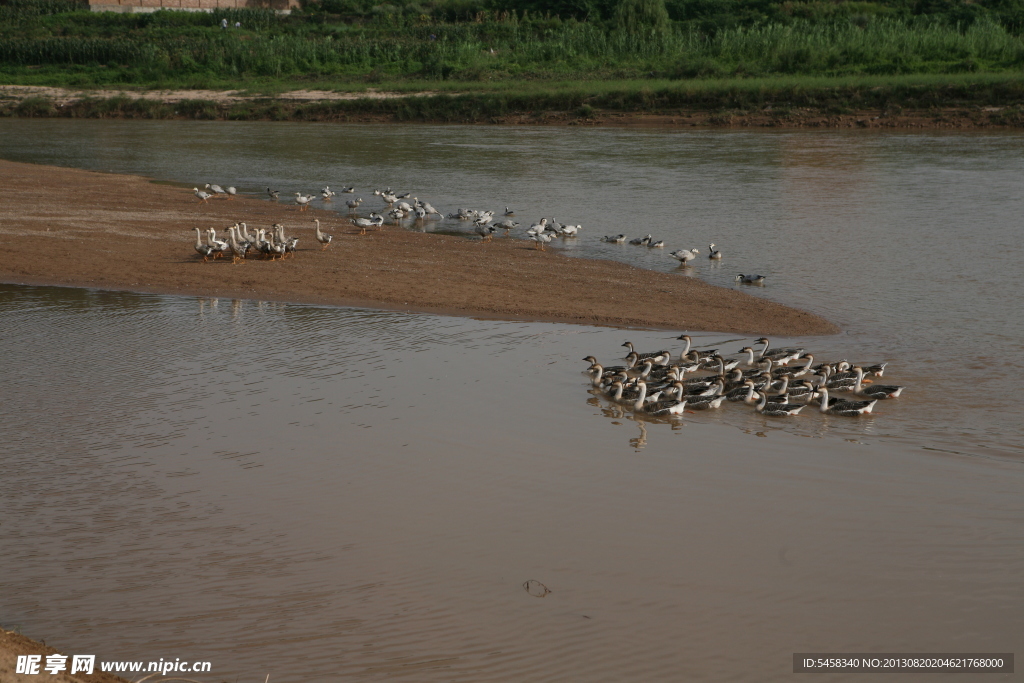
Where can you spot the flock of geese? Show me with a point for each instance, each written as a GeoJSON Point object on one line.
{"type": "Point", "coordinates": [776, 382]}
{"type": "Point", "coordinates": [399, 207]}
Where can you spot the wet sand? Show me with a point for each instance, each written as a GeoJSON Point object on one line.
{"type": "Point", "coordinates": [13, 644]}
{"type": "Point", "coordinates": [73, 102]}
{"type": "Point", "coordinates": [81, 228]}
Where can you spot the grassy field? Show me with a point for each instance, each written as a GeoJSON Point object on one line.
{"type": "Point", "coordinates": [494, 61]}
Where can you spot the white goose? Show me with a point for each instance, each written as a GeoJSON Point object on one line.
{"type": "Point", "coordinates": [203, 196]}
{"type": "Point", "coordinates": [303, 200]}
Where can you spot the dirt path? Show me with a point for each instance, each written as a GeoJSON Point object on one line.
{"type": "Point", "coordinates": [80, 228]}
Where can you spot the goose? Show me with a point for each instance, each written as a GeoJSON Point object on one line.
{"type": "Point", "coordinates": [701, 355]}
{"type": "Point", "coordinates": [203, 196]}
{"type": "Point", "coordinates": [431, 211]}
{"type": "Point", "coordinates": [571, 230]}
{"type": "Point", "coordinates": [779, 356]}
{"type": "Point", "coordinates": [750, 279]}
{"type": "Point", "coordinates": [326, 194]}
{"type": "Point", "coordinates": [204, 250]}
{"type": "Point", "coordinates": [541, 239]}
{"type": "Point", "coordinates": [238, 250]}
{"type": "Point", "coordinates": [275, 248]}
{"type": "Point", "coordinates": [403, 196]}
{"type": "Point", "coordinates": [662, 407]}
{"type": "Point", "coordinates": [877, 391]}
{"type": "Point", "coordinates": [349, 190]}
{"type": "Point", "coordinates": [507, 226]}
{"type": "Point", "coordinates": [642, 356]}
{"type": "Point", "coordinates": [723, 365]}
{"type": "Point", "coordinates": [230, 192]}
{"type": "Point", "coordinates": [215, 189]}
{"type": "Point", "coordinates": [844, 408]}
{"type": "Point", "coordinates": [509, 212]}
{"type": "Point", "coordinates": [830, 381]}
{"type": "Point", "coordinates": [321, 237]}
{"type": "Point", "coordinates": [684, 255]}
{"type": "Point", "coordinates": [705, 403]}
{"type": "Point", "coordinates": [363, 223]}
{"type": "Point", "coordinates": [273, 194]}
{"type": "Point", "coordinates": [486, 232]}
{"type": "Point", "coordinates": [640, 241]}
{"type": "Point", "coordinates": [658, 244]}
{"type": "Point", "coordinates": [714, 254]}
{"type": "Point", "coordinates": [537, 228]}
{"type": "Point", "coordinates": [777, 409]}
{"type": "Point", "coordinates": [218, 246]}
{"type": "Point", "coordinates": [303, 200]}
{"type": "Point", "coordinates": [614, 239]}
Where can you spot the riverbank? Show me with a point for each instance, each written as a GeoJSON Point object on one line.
{"type": "Point", "coordinates": [13, 644]}
{"type": "Point", "coordinates": [86, 229]}
{"type": "Point", "coordinates": [896, 102]}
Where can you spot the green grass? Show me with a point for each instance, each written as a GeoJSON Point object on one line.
{"type": "Point", "coordinates": [165, 49]}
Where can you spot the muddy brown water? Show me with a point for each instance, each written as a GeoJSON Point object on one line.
{"type": "Point", "coordinates": [316, 493]}
{"type": "Point", "coordinates": [910, 241]}
{"type": "Point", "coordinates": [322, 493]}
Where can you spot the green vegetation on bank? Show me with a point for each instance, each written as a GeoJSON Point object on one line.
{"type": "Point", "coordinates": [983, 100]}
{"type": "Point", "coordinates": [56, 42]}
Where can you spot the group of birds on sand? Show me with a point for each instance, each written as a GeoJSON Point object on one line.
{"type": "Point", "coordinates": [776, 382]}
{"type": "Point", "coordinates": [486, 223]}
{"type": "Point", "coordinates": [270, 244]}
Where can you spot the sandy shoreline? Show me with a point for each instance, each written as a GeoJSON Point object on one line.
{"type": "Point", "coordinates": [80, 228]}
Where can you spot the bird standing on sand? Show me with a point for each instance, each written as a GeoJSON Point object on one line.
{"type": "Point", "coordinates": [204, 250]}
{"type": "Point", "coordinates": [203, 196]}
{"type": "Point", "coordinates": [215, 189]}
{"type": "Point", "coordinates": [303, 200]}
{"type": "Point", "coordinates": [231, 192]}
{"type": "Point", "coordinates": [323, 238]}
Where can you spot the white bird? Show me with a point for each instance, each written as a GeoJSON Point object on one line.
{"type": "Point", "coordinates": [538, 228]}
{"type": "Point", "coordinates": [303, 200]}
{"type": "Point", "coordinates": [216, 189]}
{"type": "Point", "coordinates": [327, 194]}
{"type": "Point", "coordinates": [231, 192]}
{"type": "Point", "coordinates": [486, 232]}
{"type": "Point", "coordinates": [684, 255]}
{"type": "Point", "coordinates": [349, 190]}
{"type": "Point", "coordinates": [571, 230]}
{"type": "Point", "coordinates": [353, 204]}
{"type": "Point", "coordinates": [714, 254]}
{"type": "Point", "coordinates": [203, 196]}
{"type": "Point", "coordinates": [321, 237]}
